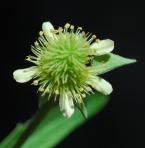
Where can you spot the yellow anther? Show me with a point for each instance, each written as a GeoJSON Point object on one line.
{"type": "Point", "coordinates": [88, 89]}
{"type": "Point", "coordinates": [84, 95]}
{"type": "Point", "coordinates": [35, 82]}
{"type": "Point", "coordinates": [56, 92]}
{"type": "Point", "coordinates": [94, 36]}
{"type": "Point", "coordinates": [67, 25]}
{"type": "Point", "coordinates": [46, 33]}
{"type": "Point", "coordinates": [80, 28]}
{"type": "Point", "coordinates": [47, 91]}
{"type": "Point", "coordinates": [41, 89]}
{"type": "Point", "coordinates": [98, 40]}
{"type": "Point", "coordinates": [28, 58]}
{"type": "Point", "coordinates": [83, 33]}
{"type": "Point", "coordinates": [72, 27]}
{"type": "Point", "coordinates": [81, 89]}
{"type": "Point", "coordinates": [41, 33]}
{"type": "Point", "coordinates": [60, 29]}
{"type": "Point", "coordinates": [36, 43]}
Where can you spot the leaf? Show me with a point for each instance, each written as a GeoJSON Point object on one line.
{"type": "Point", "coordinates": [42, 100]}
{"type": "Point", "coordinates": [48, 127]}
{"type": "Point", "coordinates": [11, 139]}
{"type": "Point", "coordinates": [81, 106]}
{"type": "Point", "coordinates": [109, 62]}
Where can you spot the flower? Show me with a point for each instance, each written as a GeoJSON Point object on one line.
{"type": "Point", "coordinates": [63, 65]}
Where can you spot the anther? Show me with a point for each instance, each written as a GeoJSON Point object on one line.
{"type": "Point", "coordinates": [88, 89]}
{"type": "Point", "coordinates": [97, 40]}
{"type": "Point", "coordinates": [36, 44]}
{"type": "Point", "coordinates": [28, 58]}
{"type": "Point", "coordinates": [80, 28]}
{"type": "Point", "coordinates": [41, 33]}
{"type": "Point", "coordinates": [72, 27]}
{"type": "Point", "coordinates": [94, 36]}
{"type": "Point", "coordinates": [41, 89]}
{"type": "Point", "coordinates": [35, 82]}
{"type": "Point", "coordinates": [57, 92]}
{"type": "Point", "coordinates": [84, 95]}
{"type": "Point", "coordinates": [83, 33]}
{"type": "Point", "coordinates": [46, 90]}
{"type": "Point", "coordinates": [60, 29]}
{"type": "Point", "coordinates": [67, 25]}
{"type": "Point", "coordinates": [81, 89]}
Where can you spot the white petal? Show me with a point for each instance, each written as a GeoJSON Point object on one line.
{"type": "Point", "coordinates": [47, 27]}
{"type": "Point", "coordinates": [24, 75]}
{"type": "Point", "coordinates": [102, 85]}
{"type": "Point", "coordinates": [102, 47]}
{"type": "Point", "coordinates": [66, 105]}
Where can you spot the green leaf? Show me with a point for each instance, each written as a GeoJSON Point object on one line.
{"type": "Point", "coordinates": [12, 138]}
{"type": "Point", "coordinates": [48, 127]}
{"type": "Point", "coordinates": [81, 106]}
{"type": "Point", "coordinates": [42, 100]}
{"type": "Point", "coordinates": [109, 62]}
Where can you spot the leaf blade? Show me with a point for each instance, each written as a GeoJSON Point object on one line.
{"type": "Point", "coordinates": [63, 127]}
{"type": "Point", "coordinates": [51, 127]}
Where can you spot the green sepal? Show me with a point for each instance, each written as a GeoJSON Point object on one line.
{"type": "Point", "coordinates": [108, 62]}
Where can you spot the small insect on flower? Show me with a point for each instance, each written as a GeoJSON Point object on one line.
{"type": "Point", "coordinates": [63, 68]}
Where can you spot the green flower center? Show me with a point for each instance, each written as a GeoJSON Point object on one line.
{"type": "Point", "coordinates": [62, 60]}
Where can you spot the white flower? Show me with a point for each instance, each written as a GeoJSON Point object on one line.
{"type": "Point", "coordinates": [25, 75]}
{"type": "Point", "coordinates": [102, 47]}
{"type": "Point", "coordinates": [61, 58]}
{"type": "Point", "coordinates": [101, 85]}
{"type": "Point", "coordinates": [47, 27]}
{"type": "Point", "coordinates": [66, 105]}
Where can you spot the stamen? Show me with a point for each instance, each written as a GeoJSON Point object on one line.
{"type": "Point", "coordinates": [60, 29]}
{"type": "Point", "coordinates": [79, 29]}
{"type": "Point", "coordinates": [65, 79]}
{"type": "Point", "coordinates": [36, 52]}
{"type": "Point", "coordinates": [41, 42]}
{"type": "Point", "coordinates": [92, 38]}
{"type": "Point", "coordinates": [88, 35]}
{"type": "Point", "coordinates": [55, 98]}
{"type": "Point", "coordinates": [49, 95]}
{"type": "Point", "coordinates": [28, 58]}
{"type": "Point", "coordinates": [83, 33]}
{"type": "Point", "coordinates": [67, 25]}
{"type": "Point", "coordinates": [72, 28]}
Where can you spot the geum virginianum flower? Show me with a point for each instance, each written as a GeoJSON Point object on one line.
{"type": "Point", "coordinates": [63, 65]}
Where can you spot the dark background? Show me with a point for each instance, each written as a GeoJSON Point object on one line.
{"type": "Point", "coordinates": [122, 123]}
